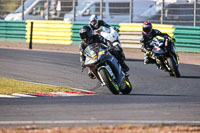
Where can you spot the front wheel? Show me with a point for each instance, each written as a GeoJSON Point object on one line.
{"type": "Point", "coordinates": [113, 87]}
{"type": "Point", "coordinates": [128, 87]}
{"type": "Point", "coordinates": [174, 69]}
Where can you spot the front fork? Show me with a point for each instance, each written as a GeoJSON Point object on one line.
{"type": "Point", "coordinates": [175, 57]}
{"type": "Point", "coordinates": [108, 69]}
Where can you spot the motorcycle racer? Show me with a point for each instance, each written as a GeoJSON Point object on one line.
{"type": "Point", "coordinates": [87, 36]}
{"type": "Point", "coordinates": [147, 36]}
{"type": "Point", "coordinates": [95, 24]}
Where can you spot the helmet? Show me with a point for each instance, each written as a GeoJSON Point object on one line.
{"type": "Point", "coordinates": [147, 27]}
{"type": "Point", "coordinates": [86, 33]}
{"type": "Point", "coordinates": [94, 21]}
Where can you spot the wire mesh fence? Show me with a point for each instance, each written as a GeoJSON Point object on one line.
{"type": "Point", "coordinates": [177, 12]}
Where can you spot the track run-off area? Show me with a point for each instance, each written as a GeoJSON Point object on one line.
{"type": "Point", "coordinates": [156, 97]}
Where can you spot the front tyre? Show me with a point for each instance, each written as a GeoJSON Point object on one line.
{"type": "Point", "coordinates": [128, 87]}
{"type": "Point", "coordinates": [113, 87]}
{"type": "Point", "coordinates": [174, 68]}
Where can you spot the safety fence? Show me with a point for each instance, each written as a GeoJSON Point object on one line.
{"type": "Point", "coordinates": [12, 31]}
{"type": "Point", "coordinates": [49, 32]}
{"type": "Point", "coordinates": [66, 33]}
{"type": "Point", "coordinates": [187, 38]}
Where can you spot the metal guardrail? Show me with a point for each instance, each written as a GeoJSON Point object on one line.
{"type": "Point", "coordinates": [50, 32]}
{"type": "Point", "coordinates": [13, 31]}
{"type": "Point", "coordinates": [66, 33]}
{"type": "Point", "coordinates": [187, 38]}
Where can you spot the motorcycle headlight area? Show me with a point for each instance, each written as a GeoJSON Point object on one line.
{"type": "Point", "coordinates": [102, 52]}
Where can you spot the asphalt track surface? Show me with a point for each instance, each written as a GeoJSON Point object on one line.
{"type": "Point", "coordinates": [156, 98]}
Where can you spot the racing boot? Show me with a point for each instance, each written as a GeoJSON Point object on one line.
{"type": "Point", "coordinates": [125, 68]}
{"type": "Point", "coordinates": [148, 60]}
{"type": "Point", "coordinates": [91, 75]}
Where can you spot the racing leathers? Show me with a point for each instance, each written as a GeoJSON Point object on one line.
{"type": "Point", "coordinates": [146, 39]}
{"type": "Point", "coordinates": [99, 24]}
{"type": "Point", "coordinates": [118, 51]}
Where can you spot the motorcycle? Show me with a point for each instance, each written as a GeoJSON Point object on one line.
{"type": "Point", "coordinates": [106, 68]}
{"type": "Point", "coordinates": [165, 56]}
{"type": "Point", "coordinates": [112, 35]}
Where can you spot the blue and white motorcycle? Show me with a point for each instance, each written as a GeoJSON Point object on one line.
{"type": "Point", "coordinates": [112, 35]}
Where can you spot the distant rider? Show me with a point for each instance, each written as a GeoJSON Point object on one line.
{"type": "Point", "coordinates": [95, 23]}
{"type": "Point", "coordinates": [147, 36]}
{"type": "Point", "coordinates": [87, 36]}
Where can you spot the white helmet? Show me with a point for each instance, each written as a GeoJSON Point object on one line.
{"type": "Point", "coordinates": [94, 21]}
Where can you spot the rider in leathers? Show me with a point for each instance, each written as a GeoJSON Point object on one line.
{"type": "Point", "coordinates": [147, 36]}
{"type": "Point", "coordinates": [87, 36]}
{"type": "Point", "coordinates": [95, 24]}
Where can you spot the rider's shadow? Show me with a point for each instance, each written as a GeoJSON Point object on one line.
{"type": "Point", "coordinates": [190, 77]}
{"type": "Point", "coordinates": [135, 60]}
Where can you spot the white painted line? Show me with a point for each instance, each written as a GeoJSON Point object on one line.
{"type": "Point", "coordinates": [101, 122]}
{"type": "Point", "coordinates": [66, 94]}
{"type": "Point", "coordinates": [82, 90]}
{"type": "Point", "coordinates": [7, 96]}
{"type": "Point", "coordinates": [22, 95]}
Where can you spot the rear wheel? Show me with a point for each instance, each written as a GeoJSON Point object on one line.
{"type": "Point", "coordinates": [174, 68]}
{"type": "Point", "coordinates": [113, 87]}
{"type": "Point", "coordinates": [128, 88]}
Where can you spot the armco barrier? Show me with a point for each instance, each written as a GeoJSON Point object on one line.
{"type": "Point", "coordinates": [75, 30]}
{"type": "Point", "coordinates": [50, 32]}
{"type": "Point", "coordinates": [187, 38]}
{"type": "Point", "coordinates": [130, 33]}
{"type": "Point", "coordinates": [13, 31]}
{"type": "Point", "coordinates": [61, 32]}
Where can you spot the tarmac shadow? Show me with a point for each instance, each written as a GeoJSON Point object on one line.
{"type": "Point", "coordinates": [135, 60]}
{"type": "Point", "coordinates": [190, 77]}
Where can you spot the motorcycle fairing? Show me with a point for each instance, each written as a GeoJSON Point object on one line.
{"type": "Point", "coordinates": [93, 54]}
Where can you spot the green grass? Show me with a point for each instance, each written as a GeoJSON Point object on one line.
{"type": "Point", "coordinates": [9, 86]}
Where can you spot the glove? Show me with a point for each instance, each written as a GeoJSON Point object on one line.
{"type": "Point", "coordinates": [173, 39]}
{"type": "Point", "coordinates": [148, 53]}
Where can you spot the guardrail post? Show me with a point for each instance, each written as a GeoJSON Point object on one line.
{"type": "Point", "coordinates": [101, 10]}
{"type": "Point", "coordinates": [31, 35]}
{"type": "Point", "coordinates": [48, 6]}
{"type": "Point", "coordinates": [162, 12]}
{"type": "Point", "coordinates": [195, 11]}
{"type": "Point", "coordinates": [131, 11]}
{"type": "Point", "coordinates": [22, 2]}
{"type": "Point", "coordinates": [74, 10]}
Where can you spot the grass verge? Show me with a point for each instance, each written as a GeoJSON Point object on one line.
{"type": "Point", "coordinates": [9, 86]}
